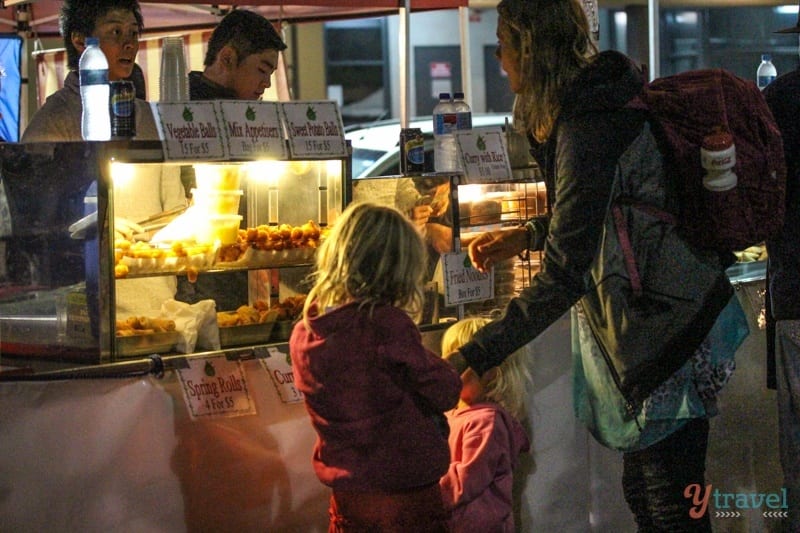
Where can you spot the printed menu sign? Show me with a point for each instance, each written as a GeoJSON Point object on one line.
{"type": "Point", "coordinates": [252, 129]}
{"type": "Point", "coordinates": [215, 387]}
{"type": "Point", "coordinates": [463, 283]}
{"type": "Point", "coordinates": [190, 130]}
{"type": "Point", "coordinates": [484, 155]}
{"type": "Point", "coordinates": [279, 367]}
{"type": "Point", "coordinates": [314, 129]}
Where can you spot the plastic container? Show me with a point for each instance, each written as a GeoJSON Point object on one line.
{"type": "Point", "coordinates": [217, 177]}
{"type": "Point", "coordinates": [93, 75]}
{"type": "Point", "coordinates": [217, 202]}
{"type": "Point", "coordinates": [445, 150]}
{"type": "Point", "coordinates": [766, 72]}
{"type": "Point", "coordinates": [173, 80]}
{"type": "Point", "coordinates": [222, 228]}
{"type": "Point", "coordinates": [718, 157]}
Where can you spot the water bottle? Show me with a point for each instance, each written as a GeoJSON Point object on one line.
{"type": "Point", "coordinates": [445, 150]}
{"type": "Point", "coordinates": [463, 112]}
{"type": "Point", "coordinates": [93, 75]}
{"type": "Point", "coordinates": [766, 72]}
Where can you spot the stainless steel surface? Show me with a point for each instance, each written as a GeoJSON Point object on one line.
{"type": "Point", "coordinates": [243, 335]}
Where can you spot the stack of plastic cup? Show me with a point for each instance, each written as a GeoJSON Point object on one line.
{"type": "Point", "coordinates": [216, 202]}
{"type": "Point", "coordinates": [173, 83]}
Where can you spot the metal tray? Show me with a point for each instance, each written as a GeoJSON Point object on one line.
{"type": "Point", "coordinates": [282, 331]}
{"type": "Point", "coordinates": [161, 342]}
{"type": "Point", "coordinates": [249, 334]}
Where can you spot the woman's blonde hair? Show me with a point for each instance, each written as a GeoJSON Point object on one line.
{"type": "Point", "coordinates": [507, 388]}
{"type": "Point", "coordinates": [373, 255]}
{"type": "Point", "coordinates": [552, 42]}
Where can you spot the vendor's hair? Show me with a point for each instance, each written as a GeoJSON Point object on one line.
{"type": "Point", "coordinates": [247, 32]}
{"type": "Point", "coordinates": [373, 255]}
{"type": "Point", "coordinates": [80, 16]}
{"type": "Point", "coordinates": [552, 41]}
{"type": "Point", "coordinates": [508, 386]}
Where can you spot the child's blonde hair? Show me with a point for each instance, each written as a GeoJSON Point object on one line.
{"type": "Point", "coordinates": [507, 388]}
{"type": "Point", "coordinates": [373, 255]}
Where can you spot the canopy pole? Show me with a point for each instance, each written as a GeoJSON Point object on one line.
{"type": "Point", "coordinates": [405, 70]}
{"type": "Point", "coordinates": [466, 63]}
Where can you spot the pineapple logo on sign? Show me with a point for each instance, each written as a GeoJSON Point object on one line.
{"type": "Point", "coordinates": [311, 113]}
{"type": "Point", "coordinates": [250, 114]}
{"type": "Point", "coordinates": [187, 115]}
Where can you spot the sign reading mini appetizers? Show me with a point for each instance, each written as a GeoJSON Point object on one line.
{"type": "Point", "coordinates": [484, 155]}
{"type": "Point", "coordinates": [252, 129]}
{"type": "Point", "coordinates": [190, 130]}
{"type": "Point", "coordinates": [314, 129]}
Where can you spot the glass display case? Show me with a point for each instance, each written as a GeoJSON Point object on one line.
{"type": "Point", "coordinates": [96, 237]}
{"type": "Point", "coordinates": [458, 214]}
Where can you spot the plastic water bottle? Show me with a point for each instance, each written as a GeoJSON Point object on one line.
{"type": "Point", "coordinates": [766, 72]}
{"type": "Point", "coordinates": [463, 112]}
{"type": "Point", "coordinates": [93, 75]}
{"type": "Point", "coordinates": [445, 150]}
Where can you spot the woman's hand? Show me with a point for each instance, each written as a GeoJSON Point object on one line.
{"type": "Point", "coordinates": [492, 247]}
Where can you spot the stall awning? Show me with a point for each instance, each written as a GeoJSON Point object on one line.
{"type": "Point", "coordinates": [40, 17]}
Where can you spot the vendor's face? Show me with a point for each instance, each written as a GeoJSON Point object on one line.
{"type": "Point", "coordinates": [508, 56]}
{"type": "Point", "coordinates": [118, 34]}
{"type": "Point", "coordinates": [250, 78]}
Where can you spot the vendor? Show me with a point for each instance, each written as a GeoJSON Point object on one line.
{"type": "Point", "coordinates": [242, 55]}
{"type": "Point", "coordinates": [117, 24]}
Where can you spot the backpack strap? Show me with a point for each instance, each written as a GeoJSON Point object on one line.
{"type": "Point", "coordinates": [621, 226]}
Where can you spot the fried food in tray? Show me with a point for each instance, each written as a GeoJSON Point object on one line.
{"type": "Point", "coordinates": [269, 246]}
{"type": "Point", "coordinates": [141, 335]}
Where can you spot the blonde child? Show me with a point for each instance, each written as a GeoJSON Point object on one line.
{"type": "Point", "coordinates": [371, 388]}
{"type": "Point", "coordinates": [486, 439]}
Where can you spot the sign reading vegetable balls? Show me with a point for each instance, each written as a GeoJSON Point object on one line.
{"type": "Point", "coordinates": [314, 129]}
{"type": "Point", "coordinates": [190, 130]}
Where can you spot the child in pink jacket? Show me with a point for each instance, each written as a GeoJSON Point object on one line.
{"type": "Point", "coordinates": [486, 439]}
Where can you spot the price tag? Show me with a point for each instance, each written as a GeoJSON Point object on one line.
{"type": "Point", "coordinates": [253, 129]}
{"type": "Point", "coordinates": [278, 365]}
{"type": "Point", "coordinates": [484, 155]}
{"type": "Point", "coordinates": [190, 130]}
{"type": "Point", "coordinates": [463, 283]}
{"type": "Point", "coordinates": [215, 387]}
{"type": "Point", "coordinates": [314, 129]}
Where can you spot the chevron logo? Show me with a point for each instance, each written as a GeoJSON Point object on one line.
{"type": "Point", "coordinates": [727, 514]}
{"type": "Point", "coordinates": [775, 514]}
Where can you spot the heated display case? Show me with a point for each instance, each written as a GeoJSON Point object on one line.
{"type": "Point", "coordinates": [95, 237]}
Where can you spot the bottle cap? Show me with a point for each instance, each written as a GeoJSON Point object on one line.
{"type": "Point", "coordinates": [444, 96]}
{"type": "Point", "coordinates": [718, 141]}
{"type": "Point", "coordinates": [458, 96]}
{"type": "Point", "coordinates": [92, 41]}
{"type": "Point", "coordinates": [766, 57]}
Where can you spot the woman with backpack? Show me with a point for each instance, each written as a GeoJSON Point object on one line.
{"type": "Point", "coordinates": [651, 350]}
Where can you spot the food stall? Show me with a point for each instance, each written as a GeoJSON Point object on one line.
{"type": "Point", "coordinates": [127, 432]}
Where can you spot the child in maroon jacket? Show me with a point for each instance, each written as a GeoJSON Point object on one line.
{"type": "Point", "coordinates": [486, 439]}
{"type": "Point", "coordinates": [370, 386]}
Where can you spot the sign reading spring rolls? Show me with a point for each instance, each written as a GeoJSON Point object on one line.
{"type": "Point", "coordinates": [314, 129]}
{"type": "Point", "coordinates": [252, 129]}
{"type": "Point", "coordinates": [215, 387]}
{"type": "Point", "coordinates": [190, 130]}
{"type": "Point", "coordinates": [462, 282]}
{"type": "Point", "coordinates": [484, 155]}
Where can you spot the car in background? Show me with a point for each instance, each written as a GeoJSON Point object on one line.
{"type": "Point", "coordinates": [376, 146]}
